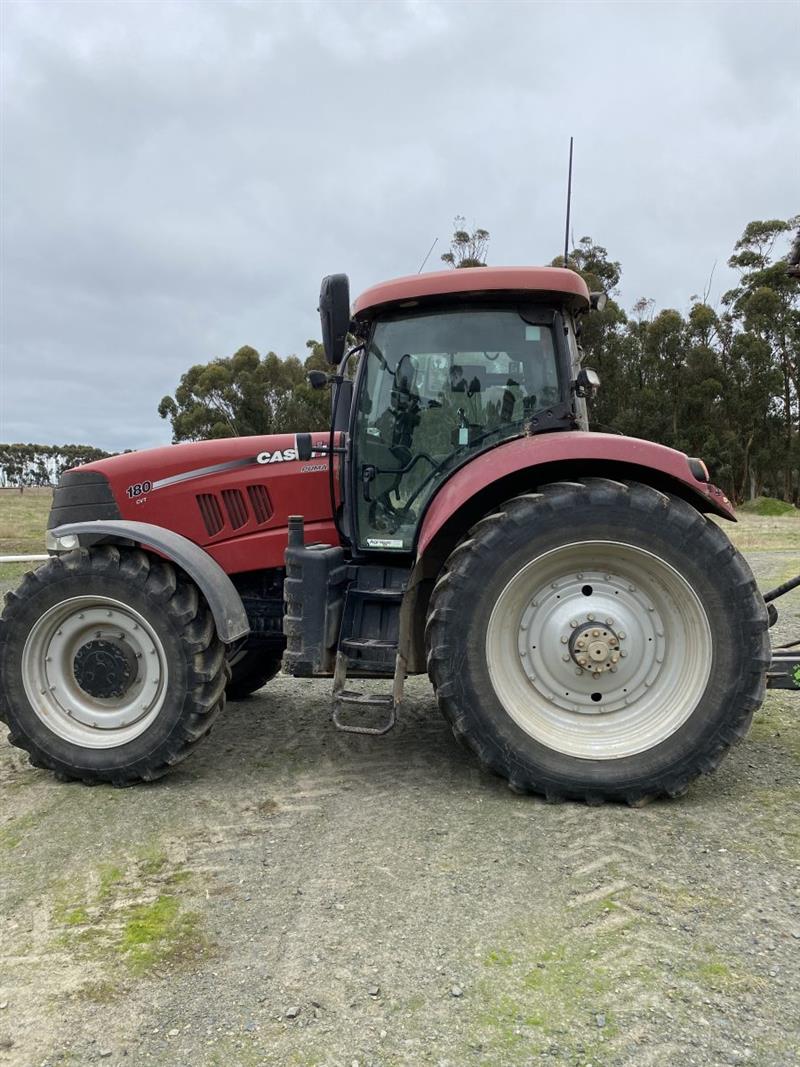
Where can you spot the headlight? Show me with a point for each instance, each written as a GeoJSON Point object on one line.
{"type": "Point", "coordinates": [65, 543]}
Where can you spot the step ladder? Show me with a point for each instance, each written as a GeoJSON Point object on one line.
{"type": "Point", "coordinates": [349, 700]}
{"type": "Point", "coordinates": [368, 647]}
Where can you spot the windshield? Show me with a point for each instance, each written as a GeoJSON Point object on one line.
{"type": "Point", "coordinates": [439, 386]}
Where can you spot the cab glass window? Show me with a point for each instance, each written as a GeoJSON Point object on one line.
{"type": "Point", "coordinates": [437, 387]}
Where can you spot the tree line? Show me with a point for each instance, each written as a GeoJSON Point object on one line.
{"type": "Point", "coordinates": [25, 465]}
{"type": "Point", "coordinates": [722, 383]}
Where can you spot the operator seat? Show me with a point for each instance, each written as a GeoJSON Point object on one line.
{"type": "Point", "coordinates": [504, 402]}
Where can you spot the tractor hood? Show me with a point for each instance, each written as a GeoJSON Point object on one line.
{"type": "Point", "coordinates": [232, 496]}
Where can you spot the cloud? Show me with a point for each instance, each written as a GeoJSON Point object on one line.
{"type": "Point", "coordinates": [176, 177]}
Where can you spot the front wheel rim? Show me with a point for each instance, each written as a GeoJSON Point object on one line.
{"type": "Point", "coordinates": [599, 649]}
{"type": "Point", "coordinates": [63, 690]}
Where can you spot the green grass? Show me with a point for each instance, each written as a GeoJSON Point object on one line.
{"type": "Point", "coordinates": [110, 876]}
{"type": "Point", "coordinates": [23, 520]}
{"type": "Point", "coordinates": [769, 507]}
{"type": "Point", "coordinates": [547, 988]}
{"type": "Point", "coordinates": [153, 859]}
{"type": "Point", "coordinates": [99, 920]}
{"type": "Point", "coordinates": [158, 932]}
{"type": "Point", "coordinates": [755, 533]}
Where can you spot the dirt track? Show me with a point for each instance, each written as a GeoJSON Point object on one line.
{"type": "Point", "coordinates": [413, 910]}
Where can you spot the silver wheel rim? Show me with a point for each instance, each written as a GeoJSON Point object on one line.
{"type": "Point", "coordinates": [49, 672]}
{"type": "Point", "coordinates": [634, 621]}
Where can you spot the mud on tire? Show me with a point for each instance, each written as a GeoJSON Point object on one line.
{"type": "Point", "coordinates": [170, 611]}
{"type": "Point", "coordinates": [530, 717]}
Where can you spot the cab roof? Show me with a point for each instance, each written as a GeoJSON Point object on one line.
{"type": "Point", "coordinates": [564, 287]}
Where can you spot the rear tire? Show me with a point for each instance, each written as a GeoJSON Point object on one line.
{"type": "Point", "coordinates": [252, 672]}
{"type": "Point", "coordinates": [598, 640]}
{"type": "Point", "coordinates": [111, 669]}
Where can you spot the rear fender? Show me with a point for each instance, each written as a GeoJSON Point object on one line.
{"type": "Point", "coordinates": [219, 591]}
{"type": "Point", "coordinates": [529, 461]}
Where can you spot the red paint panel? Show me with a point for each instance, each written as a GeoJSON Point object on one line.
{"type": "Point", "coordinates": [565, 285]}
{"type": "Point", "coordinates": [265, 549]}
{"type": "Point", "coordinates": [294, 487]}
{"type": "Point", "coordinates": [558, 448]}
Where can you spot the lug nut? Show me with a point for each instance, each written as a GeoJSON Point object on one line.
{"type": "Point", "coordinates": [564, 640]}
{"type": "Point", "coordinates": [590, 617]}
{"type": "Point", "coordinates": [565, 657]}
{"type": "Point", "coordinates": [573, 623]}
{"type": "Point", "coordinates": [621, 635]}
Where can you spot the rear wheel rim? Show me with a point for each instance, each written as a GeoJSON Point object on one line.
{"type": "Point", "coordinates": [599, 649]}
{"type": "Point", "coordinates": [63, 691]}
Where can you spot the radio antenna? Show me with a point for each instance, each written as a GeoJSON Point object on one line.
{"type": "Point", "coordinates": [425, 260]}
{"type": "Point", "coordinates": [569, 203]}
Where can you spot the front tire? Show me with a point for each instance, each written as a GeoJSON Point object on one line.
{"type": "Point", "coordinates": [598, 640]}
{"type": "Point", "coordinates": [110, 666]}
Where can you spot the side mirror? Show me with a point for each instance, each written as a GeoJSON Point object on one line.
{"type": "Point", "coordinates": [334, 314]}
{"type": "Point", "coordinates": [598, 301]}
{"type": "Point", "coordinates": [587, 383]}
{"type": "Point", "coordinates": [303, 445]}
{"type": "Point", "coordinates": [317, 379]}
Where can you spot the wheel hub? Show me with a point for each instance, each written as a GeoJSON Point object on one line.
{"type": "Point", "coordinates": [105, 669]}
{"type": "Point", "coordinates": [595, 647]}
{"type": "Point", "coordinates": [591, 641]}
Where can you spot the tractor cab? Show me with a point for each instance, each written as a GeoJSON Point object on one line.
{"type": "Point", "coordinates": [450, 364]}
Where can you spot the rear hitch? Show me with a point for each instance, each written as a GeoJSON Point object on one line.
{"type": "Point", "coordinates": [784, 670]}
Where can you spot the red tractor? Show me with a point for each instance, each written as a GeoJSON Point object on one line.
{"type": "Point", "coordinates": [588, 631]}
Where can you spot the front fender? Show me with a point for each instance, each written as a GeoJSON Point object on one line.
{"type": "Point", "coordinates": [597, 453]}
{"type": "Point", "coordinates": [221, 594]}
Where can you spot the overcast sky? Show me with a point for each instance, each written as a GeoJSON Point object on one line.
{"type": "Point", "coordinates": [176, 178]}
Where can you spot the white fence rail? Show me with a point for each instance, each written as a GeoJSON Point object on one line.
{"type": "Point", "coordinates": [23, 559]}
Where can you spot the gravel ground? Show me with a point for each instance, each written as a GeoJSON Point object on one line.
{"type": "Point", "coordinates": [295, 896]}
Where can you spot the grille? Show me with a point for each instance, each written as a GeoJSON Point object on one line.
{"type": "Point", "coordinates": [260, 502]}
{"type": "Point", "coordinates": [211, 513]}
{"type": "Point", "coordinates": [235, 507]}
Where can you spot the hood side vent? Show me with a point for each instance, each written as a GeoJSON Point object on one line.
{"type": "Point", "coordinates": [235, 507]}
{"type": "Point", "coordinates": [211, 513]}
{"type": "Point", "coordinates": [260, 502]}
